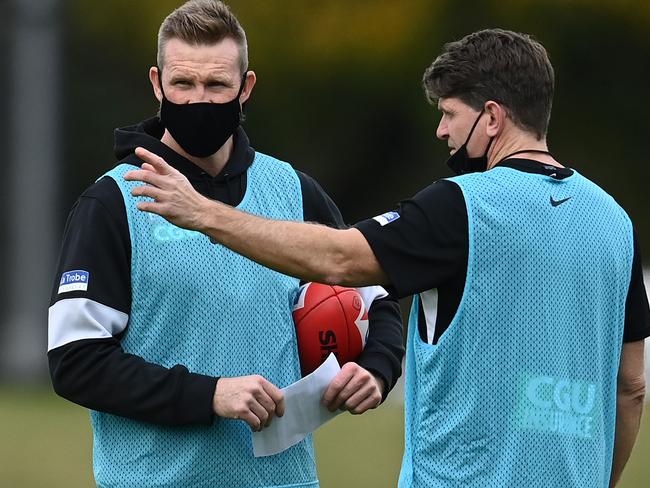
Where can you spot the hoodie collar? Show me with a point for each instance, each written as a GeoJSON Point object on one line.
{"type": "Point", "coordinates": [147, 134]}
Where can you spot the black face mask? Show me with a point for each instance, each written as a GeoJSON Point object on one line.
{"type": "Point", "coordinates": [460, 162]}
{"type": "Point", "coordinates": [201, 129]}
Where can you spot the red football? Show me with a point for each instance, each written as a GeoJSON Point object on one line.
{"type": "Point", "coordinates": [329, 319]}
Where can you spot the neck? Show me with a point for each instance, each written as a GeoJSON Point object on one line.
{"type": "Point", "coordinates": [520, 142]}
{"type": "Point", "coordinates": [213, 165]}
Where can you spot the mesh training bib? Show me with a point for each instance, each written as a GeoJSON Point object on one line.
{"type": "Point", "coordinates": [520, 390]}
{"type": "Point", "coordinates": [201, 305]}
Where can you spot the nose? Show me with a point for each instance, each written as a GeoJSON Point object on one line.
{"type": "Point", "coordinates": [199, 94]}
{"type": "Point", "coordinates": [442, 132]}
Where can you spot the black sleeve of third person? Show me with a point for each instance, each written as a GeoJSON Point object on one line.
{"type": "Point", "coordinates": [637, 311]}
{"type": "Point", "coordinates": [384, 349]}
{"type": "Point", "coordinates": [90, 367]}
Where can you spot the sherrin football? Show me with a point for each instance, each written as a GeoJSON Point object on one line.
{"type": "Point", "coordinates": [329, 319]}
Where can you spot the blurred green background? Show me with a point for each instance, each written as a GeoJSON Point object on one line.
{"type": "Point", "coordinates": [339, 96]}
{"type": "Point", "coordinates": [46, 442]}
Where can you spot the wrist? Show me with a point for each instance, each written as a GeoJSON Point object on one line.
{"type": "Point", "coordinates": [203, 215]}
{"type": "Point", "coordinates": [381, 384]}
{"type": "Point", "coordinates": [214, 398]}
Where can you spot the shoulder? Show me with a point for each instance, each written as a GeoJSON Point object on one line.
{"type": "Point", "coordinates": [599, 194]}
{"type": "Point", "coordinates": [318, 206]}
{"type": "Point", "coordinates": [262, 159]}
{"type": "Point", "coordinates": [309, 184]}
{"type": "Point", "coordinates": [102, 197]}
{"type": "Point", "coordinates": [104, 189]}
{"type": "Point", "coordinates": [271, 168]}
{"type": "Point", "coordinates": [440, 191]}
{"type": "Point", "coordinates": [443, 200]}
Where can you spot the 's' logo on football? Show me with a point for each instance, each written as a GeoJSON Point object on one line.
{"type": "Point", "coordinates": [327, 339]}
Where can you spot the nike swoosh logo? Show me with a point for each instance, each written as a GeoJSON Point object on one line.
{"type": "Point", "coordinates": [555, 203]}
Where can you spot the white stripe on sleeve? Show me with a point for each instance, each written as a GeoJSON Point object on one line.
{"type": "Point", "coordinates": [73, 319]}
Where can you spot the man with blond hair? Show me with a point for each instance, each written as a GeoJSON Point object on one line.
{"type": "Point", "coordinates": [178, 345]}
{"type": "Point", "coordinates": [525, 352]}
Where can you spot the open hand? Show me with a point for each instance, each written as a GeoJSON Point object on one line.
{"type": "Point", "coordinates": [174, 197]}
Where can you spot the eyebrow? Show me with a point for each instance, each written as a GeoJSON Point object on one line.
{"type": "Point", "coordinates": [181, 76]}
{"type": "Point", "coordinates": [446, 110]}
{"type": "Point", "coordinates": [211, 78]}
{"type": "Point", "coordinates": [218, 79]}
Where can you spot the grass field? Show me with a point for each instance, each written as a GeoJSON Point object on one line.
{"type": "Point", "coordinates": [46, 442]}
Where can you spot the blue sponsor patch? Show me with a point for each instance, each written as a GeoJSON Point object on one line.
{"type": "Point", "coordinates": [386, 218]}
{"type": "Point", "coordinates": [76, 280]}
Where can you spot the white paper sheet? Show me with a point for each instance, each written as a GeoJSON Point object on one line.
{"type": "Point", "coordinates": [303, 411]}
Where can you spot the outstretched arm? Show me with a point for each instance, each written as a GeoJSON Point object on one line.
{"type": "Point", "coordinates": [307, 251]}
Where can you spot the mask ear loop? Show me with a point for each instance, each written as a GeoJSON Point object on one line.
{"type": "Point", "coordinates": [487, 149]}
{"type": "Point", "coordinates": [242, 116]}
{"type": "Point", "coordinates": [242, 85]}
{"type": "Point", "coordinates": [160, 81]}
{"type": "Point", "coordinates": [471, 131]}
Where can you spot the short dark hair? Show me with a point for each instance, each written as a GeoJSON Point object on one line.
{"type": "Point", "coordinates": [507, 67]}
{"type": "Point", "coordinates": [203, 22]}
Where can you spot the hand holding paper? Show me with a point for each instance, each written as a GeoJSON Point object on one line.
{"type": "Point", "coordinates": [303, 412]}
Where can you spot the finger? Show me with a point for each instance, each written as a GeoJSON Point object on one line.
{"type": "Point", "coordinates": [358, 378]}
{"type": "Point", "coordinates": [251, 419]}
{"type": "Point", "coordinates": [352, 401]}
{"type": "Point", "coordinates": [260, 414]}
{"type": "Point", "coordinates": [268, 404]}
{"type": "Point", "coordinates": [336, 385]}
{"type": "Point", "coordinates": [148, 167]}
{"type": "Point", "coordinates": [149, 177]}
{"type": "Point", "coordinates": [367, 391]}
{"type": "Point", "coordinates": [146, 191]}
{"type": "Point", "coordinates": [138, 175]}
{"type": "Point", "coordinates": [343, 394]}
{"type": "Point", "coordinates": [279, 407]}
{"type": "Point", "coordinates": [354, 387]}
{"type": "Point", "coordinates": [151, 207]}
{"type": "Point", "coordinates": [158, 163]}
{"type": "Point", "coordinates": [367, 404]}
{"type": "Point", "coordinates": [276, 396]}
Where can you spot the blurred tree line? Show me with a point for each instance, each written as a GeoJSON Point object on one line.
{"type": "Point", "coordinates": [339, 91]}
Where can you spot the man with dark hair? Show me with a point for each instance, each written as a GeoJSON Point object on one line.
{"type": "Point", "coordinates": [479, 67]}
{"type": "Point", "coordinates": [177, 344]}
{"type": "Point", "coordinates": [525, 349]}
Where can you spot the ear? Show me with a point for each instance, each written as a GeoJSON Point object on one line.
{"type": "Point", "coordinates": [497, 118]}
{"type": "Point", "coordinates": [154, 78]}
{"type": "Point", "coordinates": [249, 83]}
